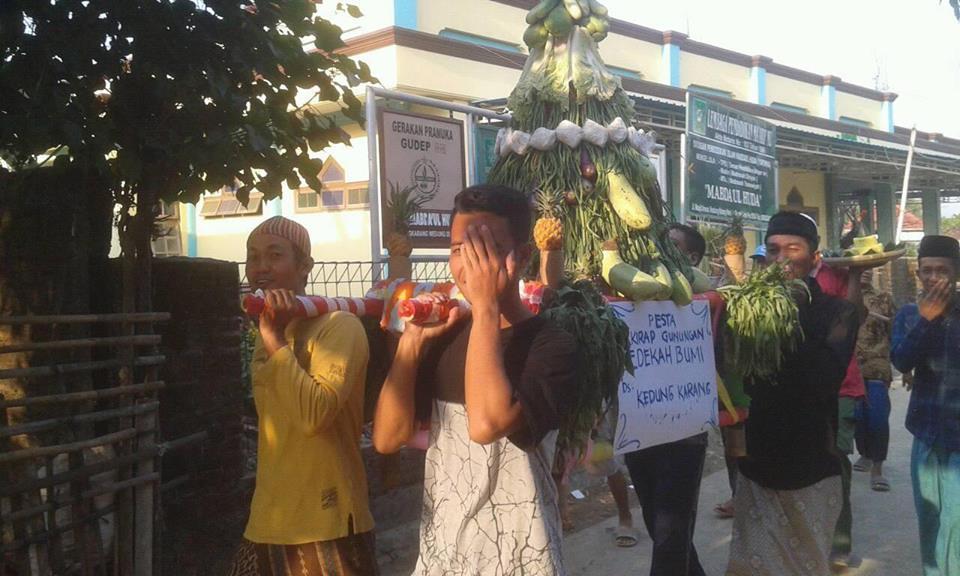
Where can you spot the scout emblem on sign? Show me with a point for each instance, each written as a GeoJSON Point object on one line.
{"type": "Point", "coordinates": [426, 176]}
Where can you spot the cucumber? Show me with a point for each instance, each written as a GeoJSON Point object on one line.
{"type": "Point", "coordinates": [597, 8]}
{"type": "Point", "coordinates": [627, 204]}
{"type": "Point", "coordinates": [585, 8]}
{"type": "Point", "coordinates": [597, 27]}
{"type": "Point", "coordinates": [627, 279]}
{"type": "Point", "coordinates": [682, 291]}
{"type": "Point", "coordinates": [541, 10]}
{"type": "Point", "coordinates": [536, 36]}
{"type": "Point", "coordinates": [701, 282]}
{"type": "Point", "coordinates": [573, 9]}
{"type": "Point", "coordinates": [559, 22]}
{"type": "Point", "coordinates": [662, 276]}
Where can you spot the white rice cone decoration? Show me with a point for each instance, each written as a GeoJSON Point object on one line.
{"type": "Point", "coordinates": [501, 138]}
{"type": "Point", "coordinates": [648, 141]}
{"type": "Point", "coordinates": [617, 130]}
{"type": "Point", "coordinates": [634, 136]}
{"type": "Point", "coordinates": [594, 133]}
{"type": "Point", "coordinates": [520, 143]}
{"type": "Point", "coordinates": [543, 139]}
{"type": "Point", "coordinates": [569, 133]}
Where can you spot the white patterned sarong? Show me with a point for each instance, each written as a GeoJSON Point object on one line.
{"type": "Point", "coordinates": [784, 532]}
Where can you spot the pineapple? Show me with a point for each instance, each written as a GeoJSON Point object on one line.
{"type": "Point", "coordinates": [735, 248]}
{"type": "Point", "coordinates": [548, 231]}
{"type": "Point", "coordinates": [401, 207]}
{"type": "Point", "coordinates": [735, 244]}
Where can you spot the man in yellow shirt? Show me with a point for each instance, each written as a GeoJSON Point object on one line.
{"type": "Point", "coordinates": [310, 514]}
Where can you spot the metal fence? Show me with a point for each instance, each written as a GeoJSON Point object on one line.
{"type": "Point", "coordinates": [354, 279]}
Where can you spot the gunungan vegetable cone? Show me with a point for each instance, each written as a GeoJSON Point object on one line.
{"type": "Point", "coordinates": [599, 191]}
{"type": "Point", "coordinates": [606, 191]}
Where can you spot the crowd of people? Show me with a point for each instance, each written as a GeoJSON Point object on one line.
{"type": "Point", "coordinates": [491, 386]}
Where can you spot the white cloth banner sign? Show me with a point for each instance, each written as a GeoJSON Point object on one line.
{"type": "Point", "coordinates": [672, 393]}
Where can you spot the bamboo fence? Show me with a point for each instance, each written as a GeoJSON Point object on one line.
{"type": "Point", "coordinates": [80, 477]}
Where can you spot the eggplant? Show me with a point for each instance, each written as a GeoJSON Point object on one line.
{"type": "Point", "coordinates": [588, 170]}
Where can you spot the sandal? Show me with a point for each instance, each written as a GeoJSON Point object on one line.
{"type": "Point", "coordinates": [625, 537]}
{"type": "Point", "coordinates": [724, 509]}
{"type": "Point", "coordinates": [862, 465]}
{"type": "Point", "coordinates": [879, 484]}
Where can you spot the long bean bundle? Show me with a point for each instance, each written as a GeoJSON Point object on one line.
{"type": "Point", "coordinates": [603, 354]}
{"type": "Point", "coordinates": [762, 322]}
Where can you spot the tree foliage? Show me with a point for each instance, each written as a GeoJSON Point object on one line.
{"type": "Point", "coordinates": [950, 225]}
{"type": "Point", "coordinates": [171, 98]}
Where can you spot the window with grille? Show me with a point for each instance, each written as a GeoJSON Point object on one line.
{"type": "Point", "coordinates": [337, 193]}
{"type": "Point", "coordinates": [167, 241]}
{"type": "Point", "coordinates": [168, 244]}
{"type": "Point", "coordinates": [226, 203]}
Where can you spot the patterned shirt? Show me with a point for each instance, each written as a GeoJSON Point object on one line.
{"type": "Point", "coordinates": [932, 351]}
{"type": "Point", "coordinates": [873, 342]}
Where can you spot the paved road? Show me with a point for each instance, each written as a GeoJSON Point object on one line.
{"type": "Point", "coordinates": [885, 525]}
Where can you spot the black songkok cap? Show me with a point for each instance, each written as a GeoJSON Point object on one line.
{"type": "Point", "coordinates": [939, 247]}
{"type": "Point", "coordinates": [793, 224]}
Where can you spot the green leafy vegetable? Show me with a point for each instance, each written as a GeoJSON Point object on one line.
{"type": "Point", "coordinates": [762, 322]}
{"type": "Point", "coordinates": [603, 354]}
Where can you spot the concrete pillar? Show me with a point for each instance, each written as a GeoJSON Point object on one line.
{"type": "Point", "coordinates": [190, 219]}
{"type": "Point", "coordinates": [828, 97]}
{"type": "Point", "coordinates": [405, 14]}
{"type": "Point", "coordinates": [931, 212]}
{"type": "Point", "coordinates": [674, 165]}
{"type": "Point", "coordinates": [273, 207]}
{"type": "Point", "coordinates": [830, 235]}
{"type": "Point", "coordinates": [758, 80]}
{"type": "Point", "coordinates": [886, 213]}
{"type": "Point", "coordinates": [886, 112]}
{"type": "Point", "coordinates": [670, 58]}
{"type": "Point", "coordinates": [867, 203]}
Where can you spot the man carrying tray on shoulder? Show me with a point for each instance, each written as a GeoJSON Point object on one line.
{"type": "Point", "coordinates": [789, 490]}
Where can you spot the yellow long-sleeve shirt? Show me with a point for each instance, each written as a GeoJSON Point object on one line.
{"type": "Point", "coordinates": [309, 396]}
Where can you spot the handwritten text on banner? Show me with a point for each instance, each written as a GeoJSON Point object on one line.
{"type": "Point", "coordinates": [673, 392]}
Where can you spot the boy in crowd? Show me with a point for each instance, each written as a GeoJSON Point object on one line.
{"type": "Point", "coordinates": [666, 477]}
{"type": "Point", "coordinates": [873, 354]}
{"type": "Point", "coordinates": [310, 515]}
{"type": "Point", "coordinates": [789, 491]}
{"type": "Point", "coordinates": [493, 387]}
{"type": "Point", "coordinates": [845, 283]}
{"type": "Point", "coordinates": [926, 339]}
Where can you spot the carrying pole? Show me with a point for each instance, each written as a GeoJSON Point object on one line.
{"type": "Point", "coordinates": [906, 186]}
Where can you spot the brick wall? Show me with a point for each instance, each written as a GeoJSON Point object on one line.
{"type": "Point", "coordinates": [203, 517]}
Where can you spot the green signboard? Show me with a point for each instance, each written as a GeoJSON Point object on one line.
{"type": "Point", "coordinates": [486, 157]}
{"type": "Point", "coordinates": [731, 164]}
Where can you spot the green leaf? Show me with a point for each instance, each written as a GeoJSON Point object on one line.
{"type": "Point", "coordinates": [354, 11]}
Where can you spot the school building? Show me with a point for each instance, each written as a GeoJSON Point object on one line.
{"type": "Point", "coordinates": [838, 144]}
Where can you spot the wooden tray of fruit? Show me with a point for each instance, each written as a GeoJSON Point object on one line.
{"type": "Point", "coordinates": [866, 252]}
